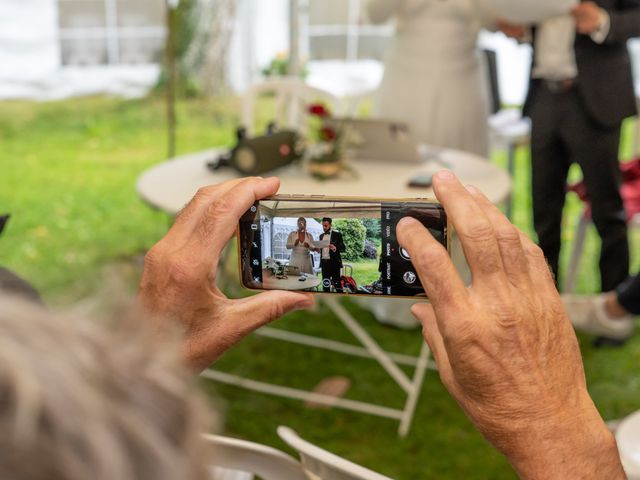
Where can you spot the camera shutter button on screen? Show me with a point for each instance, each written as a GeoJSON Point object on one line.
{"type": "Point", "coordinates": [409, 277]}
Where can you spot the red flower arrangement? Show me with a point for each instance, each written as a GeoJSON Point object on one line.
{"type": "Point", "coordinates": [324, 153]}
{"type": "Point", "coordinates": [328, 134]}
{"type": "Point", "coordinates": [320, 130]}
{"type": "Point", "coordinates": [318, 110]}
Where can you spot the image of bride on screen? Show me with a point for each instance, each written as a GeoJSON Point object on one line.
{"type": "Point", "coordinates": [301, 243]}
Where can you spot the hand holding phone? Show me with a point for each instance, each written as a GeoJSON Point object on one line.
{"type": "Point", "coordinates": [504, 346]}
{"type": "Point", "coordinates": [178, 286]}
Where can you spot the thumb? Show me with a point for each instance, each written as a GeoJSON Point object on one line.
{"type": "Point", "coordinates": [258, 310]}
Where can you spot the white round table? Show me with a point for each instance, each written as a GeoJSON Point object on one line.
{"type": "Point", "coordinates": [292, 282]}
{"type": "Point", "coordinates": [170, 185]}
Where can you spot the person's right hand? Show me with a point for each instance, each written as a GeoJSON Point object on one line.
{"type": "Point", "coordinates": [505, 348]}
{"type": "Point", "coordinates": [588, 17]}
{"type": "Point", "coordinates": [511, 30]}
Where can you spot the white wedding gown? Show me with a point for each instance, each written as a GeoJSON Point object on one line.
{"type": "Point", "coordinates": [435, 81]}
{"type": "Point", "coordinates": [433, 77]}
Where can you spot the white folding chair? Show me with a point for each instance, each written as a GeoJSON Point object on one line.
{"type": "Point", "coordinates": [627, 433]}
{"type": "Point", "coordinates": [292, 99]}
{"type": "Point", "coordinates": [508, 129]}
{"type": "Point", "coordinates": [319, 464]}
{"type": "Point", "coordinates": [234, 459]}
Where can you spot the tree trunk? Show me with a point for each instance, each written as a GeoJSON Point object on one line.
{"type": "Point", "coordinates": [207, 54]}
{"type": "Point", "coordinates": [172, 79]}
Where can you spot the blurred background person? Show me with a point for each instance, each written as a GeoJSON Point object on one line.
{"type": "Point", "coordinates": [433, 79]}
{"type": "Point", "coordinates": [580, 92]}
{"type": "Point", "coordinates": [83, 401]}
{"type": "Point", "coordinates": [301, 243]}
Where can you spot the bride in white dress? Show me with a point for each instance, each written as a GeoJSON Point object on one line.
{"type": "Point", "coordinates": [301, 244]}
{"type": "Point", "coordinates": [433, 78]}
{"type": "Point", "coordinates": [434, 81]}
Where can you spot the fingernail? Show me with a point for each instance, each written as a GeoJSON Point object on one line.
{"type": "Point", "coordinates": [405, 222]}
{"type": "Point", "coordinates": [446, 175]}
{"type": "Point", "coordinates": [472, 190]}
{"type": "Point", "coordinates": [305, 304]}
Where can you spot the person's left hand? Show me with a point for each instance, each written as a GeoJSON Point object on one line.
{"type": "Point", "coordinates": [332, 248]}
{"type": "Point", "coordinates": [306, 244]}
{"type": "Point", "coordinates": [588, 17]}
{"type": "Point", "coordinates": [179, 279]}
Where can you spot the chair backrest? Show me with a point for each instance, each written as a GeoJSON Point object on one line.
{"type": "Point", "coordinates": [628, 439]}
{"type": "Point", "coordinates": [322, 465]}
{"type": "Point", "coordinates": [242, 456]}
{"type": "Point", "coordinates": [636, 133]}
{"type": "Point", "coordinates": [491, 61]}
{"type": "Point", "coordinates": [292, 98]}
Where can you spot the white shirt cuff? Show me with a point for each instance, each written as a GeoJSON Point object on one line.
{"type": "Point", "coordinates": [600, 35]}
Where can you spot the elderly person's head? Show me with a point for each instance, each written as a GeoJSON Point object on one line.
{"type": "Point", "coordinates": [80, 401]}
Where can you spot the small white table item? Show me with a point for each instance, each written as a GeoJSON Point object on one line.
{"type": "Point", "coordinates": [170, 185]}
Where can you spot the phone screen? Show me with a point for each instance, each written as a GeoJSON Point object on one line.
{"type": "Point", "coordinates": [333, 245]}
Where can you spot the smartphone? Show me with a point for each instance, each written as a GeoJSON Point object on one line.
{"type": "Point", "coordinates": [340, 245]}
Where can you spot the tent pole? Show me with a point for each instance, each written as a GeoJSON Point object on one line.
{"type": "Point", "coordinates": [170, 60]}
{"type": "Point", "coordinates": [294, 38]}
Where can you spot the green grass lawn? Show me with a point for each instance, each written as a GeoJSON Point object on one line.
{"type": "Point", "coordinates": [67, 174]}
{"type": "Point", "coordinates": [365, 271]}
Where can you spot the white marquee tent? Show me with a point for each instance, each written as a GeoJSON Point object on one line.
{"type": "Point", "coordinates": [40, 60]}
{"type": "Point", "coordinates": [51, 49]}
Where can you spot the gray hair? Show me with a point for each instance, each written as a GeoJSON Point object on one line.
{"type": "Point", "coordinates": [79, 401]}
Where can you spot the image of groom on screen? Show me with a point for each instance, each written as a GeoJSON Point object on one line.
{"type": "Point", "coordinates": [330, 257]}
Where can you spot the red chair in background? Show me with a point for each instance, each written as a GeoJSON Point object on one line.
{"type": "Point", "coordinates": [630, 192]}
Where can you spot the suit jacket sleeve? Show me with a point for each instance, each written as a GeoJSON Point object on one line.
{"type": "Point", "coordinates": [625, 22]}
{"type": "Point", "coordinates": [340, 246]}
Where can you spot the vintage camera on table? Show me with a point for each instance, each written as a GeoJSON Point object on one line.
{"type": "Point", "coordinates": [255, 156]}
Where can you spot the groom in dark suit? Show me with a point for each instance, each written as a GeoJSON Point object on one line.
{"type": "Point", "coordinates": [330, 257]}
{"type": "Point", "coordinates": [581, 90]}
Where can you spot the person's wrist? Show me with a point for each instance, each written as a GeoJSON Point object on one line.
{"type": "Point", "coordinates": [574, 443]}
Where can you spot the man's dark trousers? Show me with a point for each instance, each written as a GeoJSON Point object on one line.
{"type": "Point", "coordinates": [331, 271]}
{"type": "Point", "coordinates": [582, 124]}
{"type": "Point", "coordinates": [562, 133]}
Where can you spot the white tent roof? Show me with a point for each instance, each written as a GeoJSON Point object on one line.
{"type": "Point", "coordinates": [312, 225]}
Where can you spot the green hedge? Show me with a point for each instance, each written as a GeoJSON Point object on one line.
{"type": "Point", "coordinates": [353, 233]}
